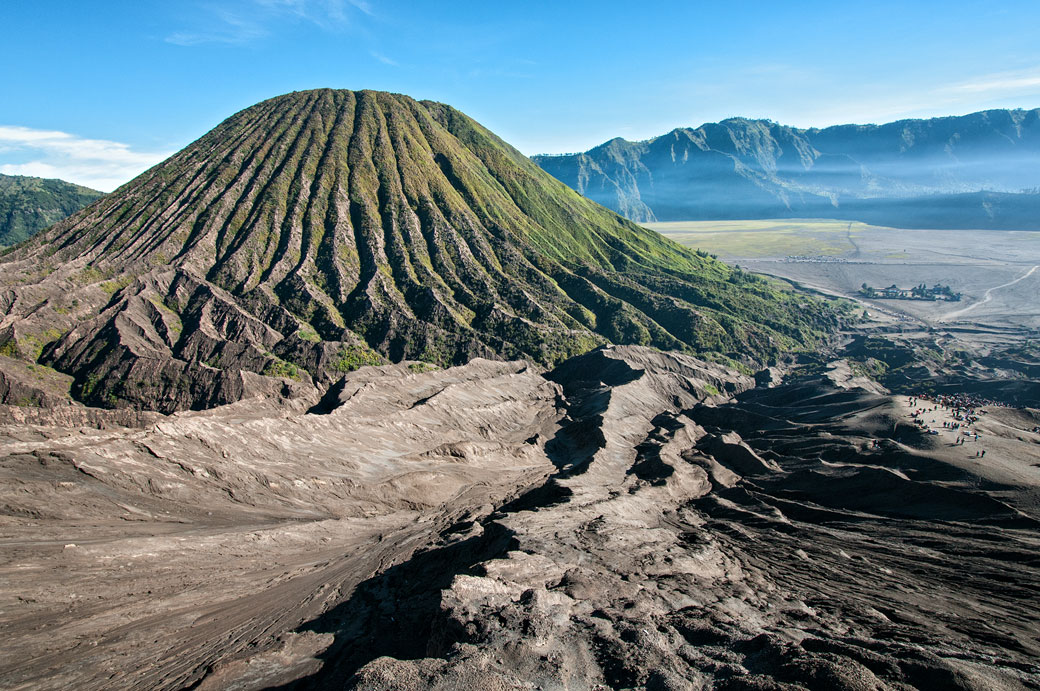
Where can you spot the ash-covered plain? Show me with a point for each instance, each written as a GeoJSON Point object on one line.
{"type": "Point", "coordinates": [628, 519]}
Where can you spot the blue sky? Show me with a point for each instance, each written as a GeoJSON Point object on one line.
{"type": "Point", "coordinates": [95, 92]}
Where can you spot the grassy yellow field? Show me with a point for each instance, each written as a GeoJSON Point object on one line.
{"type": "Point", "coordinates": [766, 237]}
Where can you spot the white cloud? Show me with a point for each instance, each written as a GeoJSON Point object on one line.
{"type": "Point", "coordinates": [365, 7]}
{"type": "Point", "coordinates": [228, 28]}
{"type": "Point", "coordinates": [1019, 89]}
{"type": "Point", "coordinates": [245, 21]}
{"type": "Point", "coordinates": [383, 59]}
{"type": "Point", "coordinates": [317, 11]}
{"type": "Point", "coordinates": [1001, 83]}
{"type": "Point", "coordinates": [96, 163]}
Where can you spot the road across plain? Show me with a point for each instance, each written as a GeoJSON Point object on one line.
{"type": "Point", "coordinates": [995, 271]}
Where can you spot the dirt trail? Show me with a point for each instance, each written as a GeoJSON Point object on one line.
{"type": "Point", "coordinates": [988, 296]}
{"type": "Point", "coordinates": [855, 247]}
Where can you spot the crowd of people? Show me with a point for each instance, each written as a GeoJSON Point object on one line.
{"type": "Point", "coordinates": [964, 408]}
{"type": "Point", "coordinates": [961, 401]}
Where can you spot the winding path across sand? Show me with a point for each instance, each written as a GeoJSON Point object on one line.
{"type": "Point", "coordinates": [988, 295]}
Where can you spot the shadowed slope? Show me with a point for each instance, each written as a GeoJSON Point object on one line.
{"type": "Point", "coordinates": [321, 230]}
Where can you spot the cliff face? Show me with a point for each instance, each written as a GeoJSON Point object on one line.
{"type": "Point", "coordinates": [914, 172]}
{"type": "Point", "coordinates": [322, 230]}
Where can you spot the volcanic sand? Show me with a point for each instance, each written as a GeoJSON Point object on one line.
{"type": "Point", "coordinates": [614, 522]}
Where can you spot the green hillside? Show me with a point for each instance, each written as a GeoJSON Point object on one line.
{"type": "Point", "coordinates": [323, 228]}
{"type": "Point", "coordinates": [28, 205]}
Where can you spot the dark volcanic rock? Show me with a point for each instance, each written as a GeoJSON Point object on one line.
{"type": "Point", "coordinates": [731, 451]}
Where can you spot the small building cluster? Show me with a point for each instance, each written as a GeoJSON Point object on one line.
{"type": "Point", "coordinates": [918, 292]}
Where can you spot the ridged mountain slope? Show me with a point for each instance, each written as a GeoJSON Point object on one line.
{"type": "Point", "coordinates": [741, 168]}
{"type": "Point", "coordinates": [28, 205]}
{"type": "Point", "coordinates": [325, 229]}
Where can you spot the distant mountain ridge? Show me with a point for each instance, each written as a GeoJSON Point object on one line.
{"type": "Point", "coordinates": [741, 168]}
{"type": "Point", "coordinates": [29, 204]}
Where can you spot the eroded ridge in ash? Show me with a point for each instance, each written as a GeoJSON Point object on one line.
{"type": "Point", "coordinates": [629, 519]}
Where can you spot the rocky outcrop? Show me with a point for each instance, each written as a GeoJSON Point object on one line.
{"type": "Point", "coordinates": [142, 353]}
{"type": "Point", "coordinates": [730, 450]}
{"type": "Point", "coordinates": [29, 385]}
